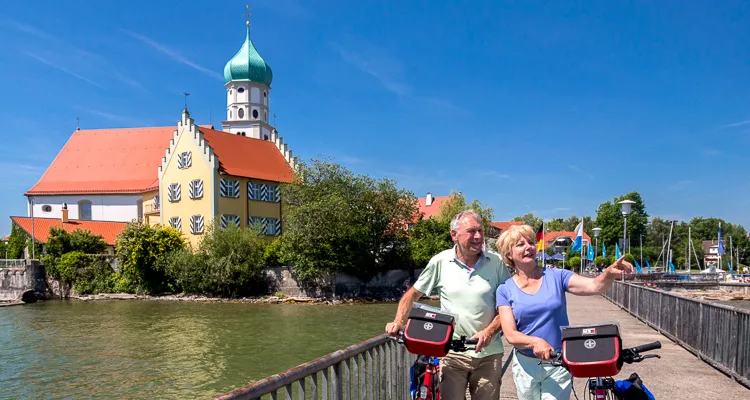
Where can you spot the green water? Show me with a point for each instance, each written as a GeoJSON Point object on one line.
{"type": "Point", "coordinates": [167, 350]}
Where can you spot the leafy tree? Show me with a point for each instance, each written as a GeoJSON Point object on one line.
{"type": "Point", "coordinates": [228, 263]}
{"type": "Point", "coordinates": [340, 222]}
{"type": "Point", "coordinates": [573, 263]}
{"type": "Point", "coordinates": [610, 220]}
{"type": "Point", "coordinates": [61, 242]}
{"type": "Point", "coordinates": [138, 248]}
{"type": "Point", "coordinates": [457, 203]}
{"type": "Point", "coordinates": [531, 220]}
{"type": "Point", "coordinates": [3, 248]}
{"type": "Point", "coordinates": [18, 241]}
{"type": "Point", "coordinates": [554, 225]}
{"type": "Point", "coordinates": [570, 223]}
{"type": "Point", "coordinates": [427, 238]}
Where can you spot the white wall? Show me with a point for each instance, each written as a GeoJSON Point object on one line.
{"type": "Point", "coordinates": [122, 208]}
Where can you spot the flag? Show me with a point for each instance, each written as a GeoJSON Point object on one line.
{"type": "Point", "coordinates": [540, 238]}
{"type": "Point", "coordinates": [671, 266]}
{"type": "Point", "coordinates": [591, 252]}
{"type": "Point", "coordinates": [648, 265]}
{"type": "Point", "coordinates": [617, 251]}
{"type": "Point", "coordinates": [578, 244]}
{"type": "Point", "coordinates": [731, 272]}
{"type": "Point", "coordinates": [638, 267]}
{"type": "Point", "coordinates": [722, 251]}
{"type": "Point", "coordinates": [604, 250]}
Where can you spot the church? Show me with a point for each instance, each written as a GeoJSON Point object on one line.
{"type": "Point", "coordinates": [185, 176]}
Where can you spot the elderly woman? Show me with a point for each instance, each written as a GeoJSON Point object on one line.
{"type": "Point", "coordinates": [532, 308]}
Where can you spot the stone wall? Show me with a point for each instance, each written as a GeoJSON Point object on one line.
{"type": "Point", "coordinates": [15, 281]}
{"type": "Point", "coordinates": [388, 285]}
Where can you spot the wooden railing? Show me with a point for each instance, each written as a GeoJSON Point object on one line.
{"type": "Point", "coordinates": [718, 334]}
{"type": "Point", "coordinates": [376, 369]}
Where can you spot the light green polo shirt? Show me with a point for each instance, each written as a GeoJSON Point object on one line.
{"type": "Point", "coordinates": [470, 294]}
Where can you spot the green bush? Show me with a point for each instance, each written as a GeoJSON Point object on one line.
{"type": "Point", "coordinates": [95, 277]}
{"type": "Point", "coordinates": [574, 263]}
{"type": "Point", "coordinates": [272, 254]}
{"type": "Point", "coordinates": [229, 263]}
{"type": "Point", "coordinates": [139, 248]}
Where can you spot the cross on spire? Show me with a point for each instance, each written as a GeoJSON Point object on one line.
{"type": "Point", "coordinates": [186, 94]}
{"type": "Point", "coordinates": [248, 15]}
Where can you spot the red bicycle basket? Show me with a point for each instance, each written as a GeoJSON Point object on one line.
{"type": "Point", "coordinates": [592, 351]}
{"type": "Point", "coordinates": [428, 333]}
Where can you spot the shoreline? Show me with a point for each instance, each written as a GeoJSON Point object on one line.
{"type": "Point", "coordinates": [250, 300]}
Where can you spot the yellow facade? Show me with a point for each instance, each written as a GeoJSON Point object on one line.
{"type": "Point", "coordinates": [187, 183]}
{"type": "Point", "coordinates": [243, 206]}
{"type": "Point", "coordinates": [150, 208]}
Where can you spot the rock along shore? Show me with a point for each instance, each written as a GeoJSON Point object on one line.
{"type": "Point", "coordinates": [256, 300]}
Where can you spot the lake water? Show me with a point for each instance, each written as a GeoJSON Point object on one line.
{"type": "Point", "coordinates": [167, 349]}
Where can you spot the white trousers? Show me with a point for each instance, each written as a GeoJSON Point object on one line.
{"type": "Point", "coordinates": [540, 382]}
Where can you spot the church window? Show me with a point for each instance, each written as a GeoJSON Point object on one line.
{"type": "Point", "coordinates": [265, 116]}
{"type": "Point", "coordinates": [265, 94]}
{"type": "Point", "coordinates": [230, 92]}
{"type": "Point", "coordinates": [241, 113]}
{"type": "Point", "coordinates": [84, 210]}
{"type": "Point", "coordinates": [173, 192]}
{"type": "Point", "coordinates": [184, 160]}
{"type": "Point", "coordinates": [195, 189]}
{"type": "Point", "coordinates": [265, 137]}
{"type": "Point", "coordinates": [230, 113]}
{"type": "Point", "coordinates": [196, 224]}
{"type": "Point", "coordinates": [240, 90]}
{"type": "Point", "coordinates": [229, 188]}
{"type": "Point", "coordinates": [255, 114]}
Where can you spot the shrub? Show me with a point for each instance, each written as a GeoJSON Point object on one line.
{"type": "Point", "coordinates": [95, 277]}
{"type": "Point", "coordinates": [139, 248]}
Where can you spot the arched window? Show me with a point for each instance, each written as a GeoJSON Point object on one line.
{"type": "Point", "coordinates": [84, 210]}
{"type": "Point", "coordinates": [241, 113]}
{"type": "Point", "coordinates": [255, 114]}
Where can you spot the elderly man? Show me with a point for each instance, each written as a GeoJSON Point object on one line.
{"type": "Point", "coordinates": [466, 277]}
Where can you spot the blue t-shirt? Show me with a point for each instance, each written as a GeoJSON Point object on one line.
{"type": "Point", "coordinates": [540, 314]}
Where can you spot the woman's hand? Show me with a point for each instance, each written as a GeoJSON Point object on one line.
{"type": "Point", "coordinates": [541, 348]}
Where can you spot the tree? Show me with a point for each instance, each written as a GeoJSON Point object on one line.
{"type": "Point", "coordinates": [336, 221]}
{"type": "Point", "coordinates": [139, 246]}
{"type": "Point", "coordinates": [61, 242]}
{"type": "Point", "coordinates": [554, 225]}
{"type": "Point", "coordinates": [18, 241]}
{"type": "Point", "coordinates": [610, 220]}
{"type": "Point", "coordinates": [530, 219]}
{"type": "Point", "coordinates": [428, 237]}
{"type": "Point", "coordinates": [457, 203]}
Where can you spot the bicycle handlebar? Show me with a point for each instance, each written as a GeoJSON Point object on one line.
{"type": "Point", "coordinates": [629, 356]}
{"type": "Point", "coordinates": [455, 345]}
{"type": "Point", "coordinates": [646, 347]}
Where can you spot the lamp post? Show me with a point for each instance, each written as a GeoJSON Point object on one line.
{"type": "Point", "coordinates": [625, 207]}
{"type": "Point", "coordinates": [596, 237]}
{"type": "Point", "coordinates": [33, 244]}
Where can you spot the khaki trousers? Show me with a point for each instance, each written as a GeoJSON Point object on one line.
{"type": "Point", "coordinates": [482, 375]}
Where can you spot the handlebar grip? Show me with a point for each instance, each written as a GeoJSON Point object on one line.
{"type": "Point", "coordinates": [471, 341]}
{"type": "Point", "coordinates": [646, 347]}
{"type": "Point", "coordinates": [553, 354]}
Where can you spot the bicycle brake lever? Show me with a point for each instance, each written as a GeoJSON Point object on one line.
{"type": "Point", "coordinates": [650, 356]}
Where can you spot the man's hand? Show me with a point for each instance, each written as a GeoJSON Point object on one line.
{"type": "Point", "coordinates": [620, 266]}
{"type": "Point", "coordinates": [483, 339]}
{"type": "Point", "coordinates": [392, 328]}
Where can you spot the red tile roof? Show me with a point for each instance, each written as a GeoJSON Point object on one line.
{"type": "Point", "coordinates": [107, 229]}
{"type": "Point", "coordinates": [107, 161]}
{"type": "Point", "coordinates": [126, 160]}
{"type": "Point", "coordinates": [248, 157]}
{"type": "Point", "coordinates": [433, 209]}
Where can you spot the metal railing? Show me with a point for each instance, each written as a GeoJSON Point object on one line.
{"type": "Point", "coordinates": [377, 368]}
{"type": "Point", "coordinates": [12, 263]}
{"type": "Point", "coordinates": [718, 334]}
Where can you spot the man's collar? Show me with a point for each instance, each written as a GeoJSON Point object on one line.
{"type": "Point", "coordinates": [482, 256]}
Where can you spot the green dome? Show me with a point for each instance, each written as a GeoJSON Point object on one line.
{"type": "Point", "coordinates": [247, 65]}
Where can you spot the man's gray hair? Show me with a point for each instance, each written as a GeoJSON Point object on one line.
{"type": "Point", "coordinates": [461, 215]}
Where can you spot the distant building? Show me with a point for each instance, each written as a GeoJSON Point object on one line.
{"type": "Point", "coordinates": [710, 253]}
{"type": "Point", "coordinates": [561, 241]}
{"type": "Point", "coordinates": [498, 227]}
{"type": "Point", "coordinates": [185, 176]}
{"type": "Point", "coordinates": [429, 206]}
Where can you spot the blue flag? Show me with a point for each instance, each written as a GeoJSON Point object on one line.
{"type": "Point", "coordinates": [604, 250]}
{"type": "Point", "coordinates": [671, 267]}
{"type": "Point", "coordinates": [617, 251]}
{"type": "Point", "coordinates": [648, 265]}
{"type": "Point", "coordinates": [638, 267]}
{"type": "Point", "coordinates": [591, 252]}
{"type": "Point", "coordinates": [722, 251]}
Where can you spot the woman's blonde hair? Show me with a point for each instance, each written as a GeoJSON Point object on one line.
{"type": "Point", "coordinates": [510, 237]}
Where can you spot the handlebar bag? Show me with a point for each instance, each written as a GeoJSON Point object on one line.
{"type": "Point", "coordinates": [428, 332]}
{"type": "Point", "coordinates": [592, 350]}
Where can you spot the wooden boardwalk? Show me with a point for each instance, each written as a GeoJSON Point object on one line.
{"type": "Point", "coordinates": [677, 375]}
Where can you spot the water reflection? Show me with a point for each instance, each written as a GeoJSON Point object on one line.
{"type": "Point", "coordinates": [167, 349]}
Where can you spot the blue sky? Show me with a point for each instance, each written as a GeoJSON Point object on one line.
{"type": "Point", "coordinates": [550, 108]}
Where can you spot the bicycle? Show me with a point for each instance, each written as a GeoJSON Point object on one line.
{"type": "Point", "coordinates": [595, 352]}
{"type": "Point", "coordinates": [428, 334]}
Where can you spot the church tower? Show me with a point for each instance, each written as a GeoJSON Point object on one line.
{"type": "Point", "coordinates": [248, 84]}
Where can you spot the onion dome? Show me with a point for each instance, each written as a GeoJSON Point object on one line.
{"type": "Point", "coordinates": [248, 65]}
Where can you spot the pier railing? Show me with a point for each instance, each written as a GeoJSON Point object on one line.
{"type": "Point", "coordinates": [376, 369]}
{"type": "Point", "coordinates": [718, 334]}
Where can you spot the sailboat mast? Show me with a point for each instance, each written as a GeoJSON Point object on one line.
{"type": "Point", "coordinates": [690, 244]}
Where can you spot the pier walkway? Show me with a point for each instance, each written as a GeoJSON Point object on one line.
{"type": "Point", "coordinates": [378, 367]}
{"type": "Point", "coordinates": [678, 374]}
